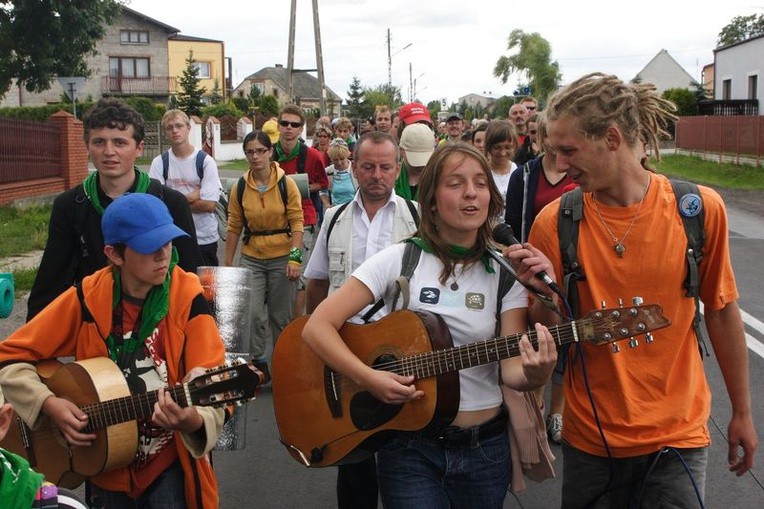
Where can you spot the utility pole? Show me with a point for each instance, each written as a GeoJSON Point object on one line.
{"type": "Point", "coordinates": [411, 84]}
{"type": "Point", "coordinates": [319, 59]}
{"type": "Point", "coordinates": [389, 62]}
{"type": "Point", "coordinates": [290, 52]}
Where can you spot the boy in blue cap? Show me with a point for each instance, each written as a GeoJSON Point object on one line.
{"type": "Point", "coordinates": [150, 317]}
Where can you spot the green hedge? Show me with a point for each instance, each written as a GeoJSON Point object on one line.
{"type": "Point", "coordinates": [150, 110]}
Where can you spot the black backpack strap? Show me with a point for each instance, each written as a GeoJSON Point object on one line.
{"type": "Point", "coordinates": [506, 280]}
{"type": "Point", "coordinates": [240, 185]}
{"type": "Point", "coordinates": [414, 212]}
{"type": "Point", "coordinates": [283, 190]}
{"type": "Point", "coordinates": [87, 316]}
{"type": "Point", "coordinates": [571, 212]}
{"type": "Point", "coordinates": [165, 164]}
{"type": "Point", "coordinates": [302, 156]}
{"type": "Point", "coordinates": [690, 208]}
{"type": "Point", "coordinates": [333, 220]}
{"type": "Point", "coordinates": [411, 255]}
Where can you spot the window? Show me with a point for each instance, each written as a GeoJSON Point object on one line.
{"type": "Point", "coordinates": [128, 67]}
{"type": "Point", "coordinates": [753, 86]}
{"type": "Point", "coordinates": [133, 37]}
{"type": "Point", "coordinates": [726, 90]}
{"type": "Point", "coordinates": [203, 68]}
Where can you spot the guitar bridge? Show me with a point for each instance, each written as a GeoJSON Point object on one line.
{"type": "Point", "coordinates": [333, 391]}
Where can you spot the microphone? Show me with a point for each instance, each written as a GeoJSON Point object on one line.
{"type": "Point", "coordinates": [503, 234]}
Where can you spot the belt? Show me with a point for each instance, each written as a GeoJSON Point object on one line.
{"type": "Point", "coordinates": [454, 437]}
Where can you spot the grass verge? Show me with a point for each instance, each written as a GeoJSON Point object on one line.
{"type": "Point", "coordinates": [23, 230]}
{"type": "Point", "coordinates": [728, 175]}
{"type": "Point", "coordinates": [23, 279]}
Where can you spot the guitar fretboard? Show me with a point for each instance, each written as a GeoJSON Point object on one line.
{"type": "Point", "coordinates": [129, 408]}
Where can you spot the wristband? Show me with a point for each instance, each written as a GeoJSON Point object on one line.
{"type": "Point", "coordinates": [294, 262]}
{"type": "Point", "coordinates": [295, 255]}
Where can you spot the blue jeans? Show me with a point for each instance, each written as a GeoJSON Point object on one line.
{"type": "Point", "coordinates": [416, 472]}
{"type": "Point", "coordinates": [166, 492]}
{"type": "Point", "coordinates": [585, 477]}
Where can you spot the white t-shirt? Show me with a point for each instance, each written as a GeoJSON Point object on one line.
{"type": "Point", "coordinates": [469, 311]}
{"type": "Point", "coordinates": [502, 182]}
{"type": "Point", "coordinates": [182, 177]}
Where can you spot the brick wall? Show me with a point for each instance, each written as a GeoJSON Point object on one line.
{"type": "Point", "coordinates": [73, 162]}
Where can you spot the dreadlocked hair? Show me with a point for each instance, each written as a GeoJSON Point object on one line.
{"type": "Point", "coordinates": [598, 101]}
{"type": "Point", "coordinates": [453, 154]}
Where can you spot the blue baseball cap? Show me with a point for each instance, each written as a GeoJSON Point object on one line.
{"type": "Point", "coordinates": [140, 221]}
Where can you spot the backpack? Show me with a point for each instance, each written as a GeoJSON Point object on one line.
{"type": "Point", "coordinates": [221, 208]}
{"type": "Point", "coordinates": [411, 255]}
{"type": "Point", "coordinates": [412, 210]}
{"type": "Point", "coordinates": [240, 195]}
{"type": "Point", "coordinates": [690, 204]}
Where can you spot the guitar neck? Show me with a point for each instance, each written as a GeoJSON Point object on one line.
{"type": "Point", "coordinates": [438, 362]}
{"type": "Point", "coordinates": [129, 408]}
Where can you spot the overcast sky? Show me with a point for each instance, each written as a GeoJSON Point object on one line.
{"type": "Point", "coordinates": [454, 44]}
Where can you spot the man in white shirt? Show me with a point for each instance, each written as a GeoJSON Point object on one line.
{"type": "Point", "coordinates": [194, 174]}
{"type": "Point", "coordinates": [375, 219]}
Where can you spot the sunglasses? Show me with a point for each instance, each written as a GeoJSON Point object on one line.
{"type": "Point", "coordinates": [533, 131]}
{"type": "Point", "coordinates": [286, 123]}
{"type": "Point", "coordinates": [258, 151]}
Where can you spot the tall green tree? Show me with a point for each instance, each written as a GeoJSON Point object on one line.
{"type": "Point", "coordinates": [741, 28]}
{"type": "Point", "coordinates": [42, 39]}
{"type": "Point", "coordinates": [355, 99]}
{"type": "Point", "coordinates": [381, 94]}
{"type": "Point", "coordinates": [532, 61]}
{"type": "Point", "coordinates": [191, 93]}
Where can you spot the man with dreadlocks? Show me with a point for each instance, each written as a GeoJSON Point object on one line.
{"type": "Point", "coordinates": [636, 431]}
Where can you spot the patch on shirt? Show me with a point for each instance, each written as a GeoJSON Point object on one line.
{"type": "Point", "coordinates": [474, 300]}
{"type": "Point", "coordinates": [429, 295]}
{"type": "Point", "coordinates": [690, 205]}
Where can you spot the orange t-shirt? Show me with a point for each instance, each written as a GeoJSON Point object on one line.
{"type": "Point", "coordinates": [655, 394]}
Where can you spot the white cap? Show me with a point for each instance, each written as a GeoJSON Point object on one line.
{"type": "Point", "coordinates": [419, 143]}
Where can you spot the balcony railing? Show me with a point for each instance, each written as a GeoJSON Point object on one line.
{"type": "Point", "coordinates": [730, 107]}
{"type": "Point", "coordinates": [154, 85]}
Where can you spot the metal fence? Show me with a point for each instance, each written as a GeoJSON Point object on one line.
{"type": "Point", "coordinates": [28, 150]}
{"type": "Point", "coordinates": [735, 136]}
{"type": "Point", "coordinates": [153, 141]}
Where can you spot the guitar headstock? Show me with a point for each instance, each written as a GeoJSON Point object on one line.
{"type": "Point", "coordinates": [610, 325]}
{"type": "Point", "coordinates": [232, 383]}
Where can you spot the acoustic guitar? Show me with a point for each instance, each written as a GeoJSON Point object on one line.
{"type": "Point", "coordinates": [99, 388]}
{"type": "Point", "coordinates": [325, 419]}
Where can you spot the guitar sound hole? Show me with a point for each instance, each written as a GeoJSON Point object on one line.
{"type": "Point", "coordinates": [366, 411]}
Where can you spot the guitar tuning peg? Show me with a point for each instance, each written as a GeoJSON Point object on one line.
{"type": "Point", "coordinates": [633, 343]}
{"type": "Point", "coordinates": [637, 301]}
{"type": "Point", "coordinates": [616, 348]}
{"type": "Point", "coordinates": [649, 337]}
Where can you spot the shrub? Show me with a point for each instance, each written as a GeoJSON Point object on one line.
{"type": "Point", "coordinates": [221, 110]}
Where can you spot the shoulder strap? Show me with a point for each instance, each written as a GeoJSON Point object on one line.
{"type": "Point", "coordinates": [690, 208]}
{"type": "Point", "coordinates": [333, 220]}
{"type": "Point", "coordinates": [411, 255]}
{"type": "Point", "coordinates": [240, 185]}
{"type": "Point", "coordinates": [571, 212]}
{"type": "Point", "coordinates": [302, 157]}
{"type": "Point", "coordinates": [505, 284]}
{"type": "Point", "coordinates": [200, 157]}
{"type": "Point", "coordinates": [414, 211]}
{"type": "Point", "coordinates": [87, 316]}
{"type": "Point", "coordinates": [165, 164]}
{"type": "Point", "coordinates": [283, 190]}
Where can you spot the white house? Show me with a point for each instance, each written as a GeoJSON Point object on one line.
{"type": "Point", "coordinates": [737, 68]}
{"type": "Point", "coordinates": [664, 72]}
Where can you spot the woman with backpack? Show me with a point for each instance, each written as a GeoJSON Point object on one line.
{"type": "Point", "coordinates": [467, 462]}
{"type": "Point", "coordinates": [342, 183]}
{"type": "Point", "coordinates": [272, 241]}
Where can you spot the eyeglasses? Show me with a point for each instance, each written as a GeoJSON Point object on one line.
{"type": "Point", "coordinates": [170, 127]}
{"type": "Point", "coordinates": [286, 123]}
{"type": "Point", "coordinates": [338, 142]}
{"type": "Point", "coordinates": [533, 131]}
{"type": "Point", "coordinates": [322, 136]}
{"type": "Point", "coordinates": [530, 108]}
{"type": "Point", "coordinates": [258, 151]}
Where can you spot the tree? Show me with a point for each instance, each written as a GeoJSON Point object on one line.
{"type": "Point", "coordinates": [355, 99]}
{"type": "Point", "coordinates": [382, 94]}
{"type": "Point", "coordinates": [741, 28]}
{"type": "Point", "coordinates": [216, 97]}
{"type": "Point", "coordinates": [685, 100]}
{"type": "Point", "coordinates": [268, 105]}
{"type": "Point", "coordinates": [500, 107]}
{"type": "Point", "coordinates": [190, 95]}
{"type": "Point", "coordinates": [533, 61]}
{"type": "Point", "coordinates": [43, 39]}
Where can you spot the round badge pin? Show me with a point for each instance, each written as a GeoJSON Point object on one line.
{"type": "Point", "coordinates": [690, 205]}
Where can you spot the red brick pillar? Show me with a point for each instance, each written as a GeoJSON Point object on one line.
{"type": "Point", "coordinates": [74, 155]}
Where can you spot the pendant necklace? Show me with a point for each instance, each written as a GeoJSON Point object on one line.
{"type": "Point", "coordinates": [455, 285]}
{"type": "Point", "coordinates": [618, 246]}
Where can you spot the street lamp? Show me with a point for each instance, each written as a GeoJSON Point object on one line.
{"type": "Point", "coordinates": [413, 92]}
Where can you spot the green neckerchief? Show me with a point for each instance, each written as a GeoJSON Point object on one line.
{"type": "Point", "coordinates": [457, 252]}
{"type": "Point", "coordinates": [18, 482]}
{"type": "Point", "coordinates": [90, 184]}
{"type": "Point", "coordinates": [154, 309]}
{"type": "Point", "coordinates": [281, 157]}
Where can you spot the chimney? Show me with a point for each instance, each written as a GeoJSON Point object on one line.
{"type": "Point", "coordinates": [279, 66]}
